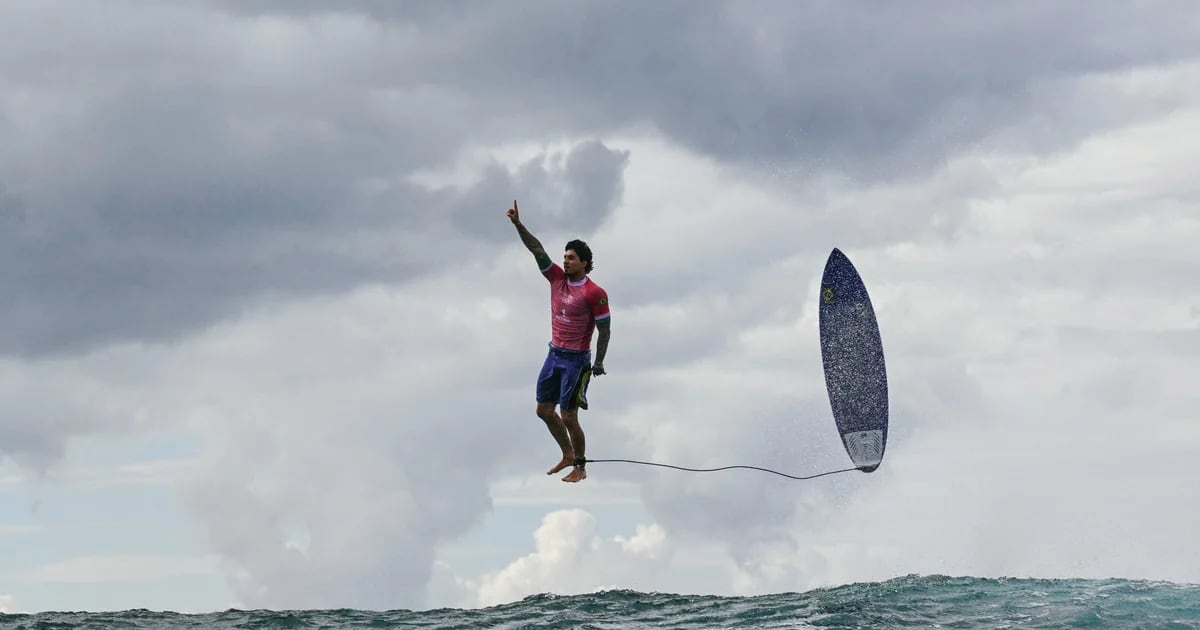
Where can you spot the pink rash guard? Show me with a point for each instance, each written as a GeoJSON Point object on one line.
{"type": "Point", "coordinates": [574, 309]}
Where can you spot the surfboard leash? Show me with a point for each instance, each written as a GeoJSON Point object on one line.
{"type": "Point", "coordinates": [775, 472]}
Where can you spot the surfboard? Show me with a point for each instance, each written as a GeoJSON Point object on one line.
{"type": "Point", "coordinates": [852, 354]}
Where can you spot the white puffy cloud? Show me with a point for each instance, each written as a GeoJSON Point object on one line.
{"type": "Point", "coordinates": [570, 558]}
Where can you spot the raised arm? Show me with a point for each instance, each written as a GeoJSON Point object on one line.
{"type": "Point", "coordinates": [534, 246]}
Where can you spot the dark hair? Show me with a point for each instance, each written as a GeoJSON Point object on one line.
{"type": "Point", "coordinates": [583, 251]}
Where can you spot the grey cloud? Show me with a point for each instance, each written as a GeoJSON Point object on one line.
{"type": "Point", "coordinates": [368, 525]}
{"type": "Point", "coordinates": [31, 437]}
{"type": "Point", "coordinates": [594, 185]}
{"type": "Point", "coordinates": [197, 201]}
{"type": "Point", "coordinates": [367, 547]}
{"type": "Point", "coordinates": [873, 90]}
{"type": "Point", "coordinates": [574, 192]}
{"type": "Point", "coordinates": [155, 180]}
{"type": "Point", "coordinates": [42, 409]}
{"type": "Point", "coordinates": [172, 193]}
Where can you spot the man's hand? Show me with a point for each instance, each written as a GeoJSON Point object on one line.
{"type": "Point", "coordinates": [531, 243]}
{"type": "Point", "coordinates": [598, 368]}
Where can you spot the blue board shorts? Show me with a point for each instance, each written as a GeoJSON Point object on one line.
{"type": "Point", "coordinates": [564, 378]}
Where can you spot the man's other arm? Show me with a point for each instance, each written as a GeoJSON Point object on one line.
{"type": "Point", "coordinates": [603, 330]}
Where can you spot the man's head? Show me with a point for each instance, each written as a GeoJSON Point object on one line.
{"type": "Point", "coordinates": [577, 252]}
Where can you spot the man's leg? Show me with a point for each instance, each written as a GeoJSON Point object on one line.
{"type": "Point", "coordinates": [570, 418]}
{"type": "Point", "coordinates": [573, 399]}
{"type": "Point", "coordinates": [549, 388]}
{"type": "Point", "coordinates": [545, 411]}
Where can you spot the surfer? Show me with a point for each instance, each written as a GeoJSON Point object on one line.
{"type": "Point", "coordinates": [578, 306]}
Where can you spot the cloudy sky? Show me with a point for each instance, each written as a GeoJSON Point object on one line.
{"type": "Point", "coordinates": [269, 340]}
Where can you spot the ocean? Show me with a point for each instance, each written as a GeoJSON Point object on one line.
{"type": "Point", "coordinates": [905, 602]}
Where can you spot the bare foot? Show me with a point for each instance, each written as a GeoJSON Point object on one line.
{"type": "Point", "coordinates": [576, 475]}
{"type": "Point", "coordinates": [567, 460]}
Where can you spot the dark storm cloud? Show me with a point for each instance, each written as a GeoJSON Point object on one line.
{"type": "Point", "coordinates": [870, 88]}
{"type": "Point", "coordinates": [151, 183]}
{"type": "Point", "coordinates": [162, 167]}
{"type": "Point", "coordinates": [572, 191]}
{"type": "Point", "coordinates": [149, 263]}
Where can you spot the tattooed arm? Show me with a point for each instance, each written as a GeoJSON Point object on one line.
{"type": "Point", "coordinates": [603, 329]}
{"type": "Point", "coordinates": [534, 246]}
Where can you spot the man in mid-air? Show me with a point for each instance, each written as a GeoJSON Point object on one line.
{"type": "Point", "coordinates": [578, 306]}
